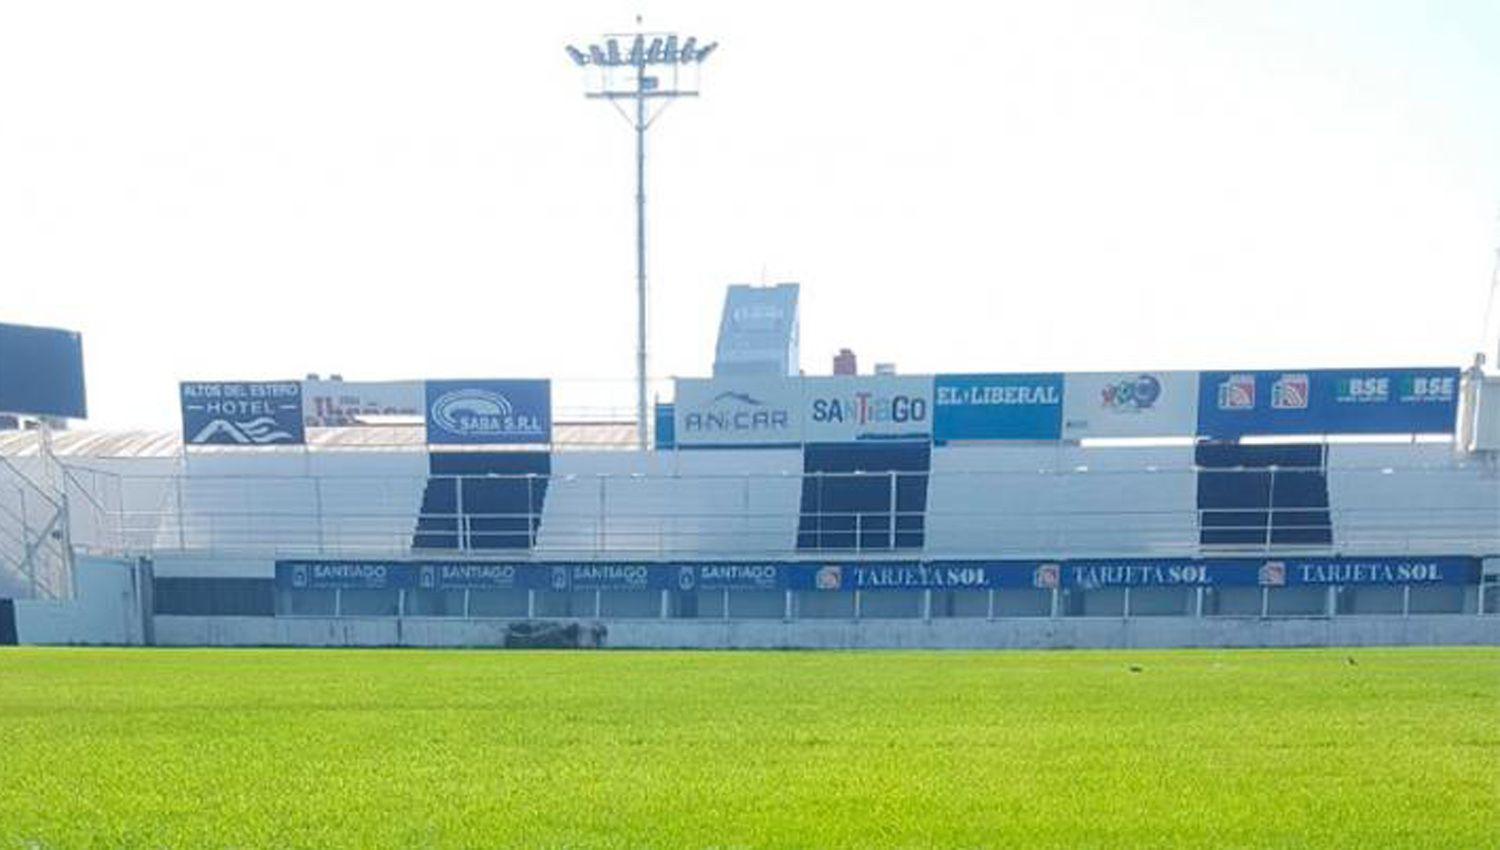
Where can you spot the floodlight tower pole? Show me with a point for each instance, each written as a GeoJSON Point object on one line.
{"type": "Point", "coordinates": [662, 50]}
{"type": "Point", "coordinates": [640, 254]}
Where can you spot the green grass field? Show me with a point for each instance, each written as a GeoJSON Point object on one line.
{"type": "Point", "coordinates": [357, 749]}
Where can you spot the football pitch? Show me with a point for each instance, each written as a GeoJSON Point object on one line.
{"type": "Point", "coordinates": [399, 748]}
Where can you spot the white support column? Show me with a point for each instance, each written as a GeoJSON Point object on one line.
{"type": "Point", "coordinates": [894, 513]}
{"type": "Point", "coordinates": [181, 517]}
{"type": "Point", "coordinates": [927, 605]}
{"type": "Point", "coordinates": [459, 521]}
{"type": "Point", "coordinates": [791, 600]}
{"type": "Point", "coordinates": [989, 611]}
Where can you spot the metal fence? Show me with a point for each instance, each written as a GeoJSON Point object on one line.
{"type": "Point", "coordinates": [36, 558]}
{"type": "Point", "coordinates": [995, 514]}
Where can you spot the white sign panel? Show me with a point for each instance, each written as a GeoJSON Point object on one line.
{"type": "Point", "coordinates": [1130, 404]}
{"type": "Point", "coordinates": [332, 404]}
{"type": "Point", "coordinates": [881, 407]}
{"type": "Point", "coordinates": [738, 412]}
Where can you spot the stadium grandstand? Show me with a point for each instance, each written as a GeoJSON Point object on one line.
{"type": "Point", "coordinates": [773, 508]}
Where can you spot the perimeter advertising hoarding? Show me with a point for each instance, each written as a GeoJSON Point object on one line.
{"type": "Point", "coordinates": [334, 575]}
{"type": "Point", "coordinates": [1130, 404]}
{"type": "Point", "coordinates": [1085, 574]}
{"type": "Point", "coordinates": [241, 413]}
{"type": "Point", "coordinates": [336, 404]}
{"type": "Point", "coordinates": [841, 409]}
{"type": "Point", "coordinates": [488, 412]}
{"type": "Point", "coordinates": [998, 407]}
{"type": "Point", "coordinates": [739, 412]}
{"type": "Point", "coordinates": [1328, 401]}
{"type": "Point", "coordinates": [41, 372]}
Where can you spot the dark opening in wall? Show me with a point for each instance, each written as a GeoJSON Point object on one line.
{"type": "Point", "coordinates": [863, 497]}
{"type": "Point", "coordinates": [1263, 495]}
{"type": "Point", "coordinates": [483, 500]}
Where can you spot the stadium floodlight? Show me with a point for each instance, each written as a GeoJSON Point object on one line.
{"type": "Point", "coordinates": [616, 77]}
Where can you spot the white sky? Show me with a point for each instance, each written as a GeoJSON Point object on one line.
{"type": "Point", "coordinates": [259, 190]}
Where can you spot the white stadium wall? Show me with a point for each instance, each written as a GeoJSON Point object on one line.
{"type": "Point", "coordinates": [1044, 500]}
{"type": "Point", "coordinates": [663, 504]}
{"type": "Point", "coordinates": [242, 511]}
{"type": "Point", "coordinates": [108, 607]}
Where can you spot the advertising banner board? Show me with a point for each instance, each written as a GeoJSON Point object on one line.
{"type": "Point", "coordinates": [998, 407]}
{"type": "Point", "coordinates": [41, 372]}
{"type": "Point", "coordinates": [743, 412]}
{"type": "Point", "coordinates": [488, 412]}
{"type": "Point", "coordinates": [1327, 401]}
{"type": "Point", "coordinates": [241, 413]}
{"type": "Point", "coordinates": [875, 576]}
{"type": "Point", "coordinates": [838, 409]}
{"type": "Point", "coordinates": [1130, 404]}
{"type": "Point", "coordinates": [337, 404]}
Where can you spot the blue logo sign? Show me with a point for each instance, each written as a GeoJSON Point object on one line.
{"type": "Point", "coordinates": [241, 413]}
{"type": "Point", "coordinates": [489, 412]}
{"type": "Point", "coordinates": [1328, 401]}
{"type": "Point", "coordinates": [999, 407]}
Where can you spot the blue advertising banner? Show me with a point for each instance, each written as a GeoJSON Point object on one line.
{"type": "Point", "coordinates": [489, 412]}
{"type": "Point", "coordinates": [1328, 401]}
{"type": "Point", "coordinates": [332, 575]}
{"type": "Point", "coordinates": [914, 575]}
{"type": "Point", "coordinates": [1434, 570]}
{"type": "Point", "coordinates": [241, 413]}
{"type": "Point", "coordinates": [613, 577]}
{"type": "Point", "coordinates": [41, 371]}
{"type": "Point", "coordinates": [1092, 575]}
{"type": "Point", "coordinates": [998, 407]}
{"type": "Point", "coordinates": [479, 576]}
{"type": "Point", "coordinates": [734, 577]}
{"type": "Point", "coordinates": [876, 576]}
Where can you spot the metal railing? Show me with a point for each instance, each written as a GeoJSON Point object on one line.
{"type": "Point", "coordinates": [1044, 513]}
{"type": "Point", "coordinates": [36, 557]}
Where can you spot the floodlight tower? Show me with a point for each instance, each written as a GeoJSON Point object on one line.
{"type": "Point", "coordinates": [653, 71]}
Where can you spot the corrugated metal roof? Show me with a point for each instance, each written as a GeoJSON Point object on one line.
{"type": "Point", "coordinates": [567, 436]}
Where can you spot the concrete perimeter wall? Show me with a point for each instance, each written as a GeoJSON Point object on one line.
{"type": "Point", "coordinates": [107, 608]}
{"type": "Point", "coordinates": [1430, 630]}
